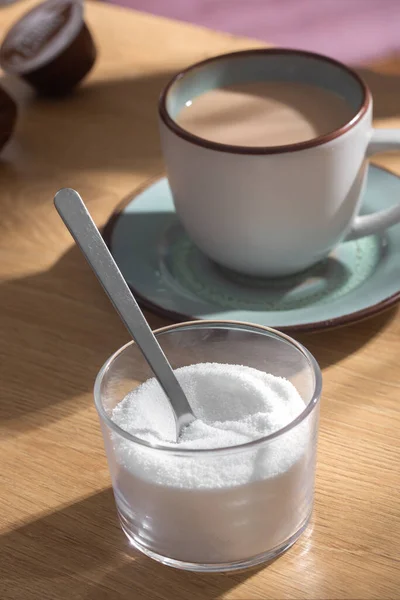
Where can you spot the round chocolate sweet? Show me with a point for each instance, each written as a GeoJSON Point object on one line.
{"type": "Point", "coordinates": [8, 117]}
{"type": "Point", "coordinates": [50, 47]}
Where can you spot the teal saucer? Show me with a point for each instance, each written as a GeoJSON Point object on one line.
{"type": "Point", "coordinates": [169, 275]}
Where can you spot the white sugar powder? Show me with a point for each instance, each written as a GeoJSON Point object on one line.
{"type": "Point", "coordinates": [214, 507]}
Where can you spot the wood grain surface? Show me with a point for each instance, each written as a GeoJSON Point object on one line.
{"type": "Point", "coordinates": [59, 534]}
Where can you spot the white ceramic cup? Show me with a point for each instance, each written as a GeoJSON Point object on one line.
{"type": "Point", "coordinates": [273, 211]}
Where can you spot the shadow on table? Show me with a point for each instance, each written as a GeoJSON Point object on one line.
{"type": "Point", "coordinates": [333, 345]}
{"type": "Point", "coordinates": [80, 552]}
{"type": "Point", "coordinates": [385, 88]}
{"type": "Point", "coordinates": [70, 329]}
{"type": "Point", "coordinates": [110, 125]}
{"type": "Point", "coordinates": [66, 329]}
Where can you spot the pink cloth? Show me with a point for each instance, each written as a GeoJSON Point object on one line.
{"type": "Point", "coordinates": [351, 30]}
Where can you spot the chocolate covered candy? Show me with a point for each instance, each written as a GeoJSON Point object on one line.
{"type": "Point", "coordinates": [50, 47]}
{"type": "Point", "coordinates": [8, 117]}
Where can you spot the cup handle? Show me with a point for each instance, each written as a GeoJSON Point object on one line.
{"type": "Point", "coordinates": [382, 140]}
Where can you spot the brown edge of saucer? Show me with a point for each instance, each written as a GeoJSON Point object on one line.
{"type": "Point", "coordinates": [261, 150]}
{"type": "Point", "coordinates": [351, 318]}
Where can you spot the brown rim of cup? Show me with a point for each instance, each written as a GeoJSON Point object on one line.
{"type": "Point", "coordinates": [260, 150]}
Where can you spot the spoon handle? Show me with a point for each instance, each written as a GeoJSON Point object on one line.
{"type": "Point", "coordinates": [80, 224]}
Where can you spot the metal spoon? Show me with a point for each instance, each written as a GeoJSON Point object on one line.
{"type": "Point", "coordinates": [77, 219]}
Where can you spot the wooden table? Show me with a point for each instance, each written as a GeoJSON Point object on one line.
{"type": "Point", "coordinates": [60, 538]}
